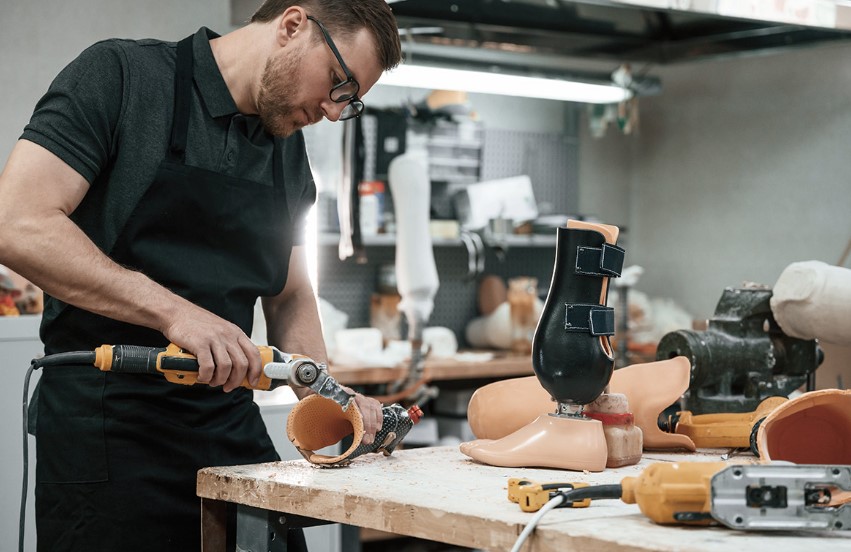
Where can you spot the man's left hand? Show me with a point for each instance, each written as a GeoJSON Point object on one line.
{"type": "Point", "coordinates": [370, 410]}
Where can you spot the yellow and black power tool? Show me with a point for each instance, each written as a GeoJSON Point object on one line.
{"type": "Point", "coordinates": [762, 497]}
{"type": "Point", "coordinates": [181, 367]}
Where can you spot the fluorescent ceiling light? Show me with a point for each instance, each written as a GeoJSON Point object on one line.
{"type": "Point", "coordinates": [440, 78]}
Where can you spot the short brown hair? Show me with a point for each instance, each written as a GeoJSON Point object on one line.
{"type": "Point", "coordinates": [345, 18]}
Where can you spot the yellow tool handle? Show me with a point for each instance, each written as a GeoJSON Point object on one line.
{"type": "Point", "coordinates": [677, 492]}
{"type": "Point", "coordinates": [727, 429]}
{"type": "Point", "coordinates": [177, 365]}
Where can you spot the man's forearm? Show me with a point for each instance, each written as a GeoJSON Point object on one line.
{"type": "Point", "coordinates": [57, 256]}
{"type": "Point", "coordinates": [293, 326]}
{"type": "Point", "coordinates": [38, 193]}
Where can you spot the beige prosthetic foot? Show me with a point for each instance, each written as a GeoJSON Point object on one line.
{"type": "Point", "coordinates": [503, 407]}
{"type": "Point", "coordinates": [549, 442]}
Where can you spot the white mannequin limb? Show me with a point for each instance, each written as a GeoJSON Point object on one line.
{"type": "Point", "coordinates": [416, 273]}
{"type": "Point", "coordinates": [810, 301]}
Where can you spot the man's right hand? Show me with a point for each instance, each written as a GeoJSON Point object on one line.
{"type": "Point", "coordinates": [225, 354]}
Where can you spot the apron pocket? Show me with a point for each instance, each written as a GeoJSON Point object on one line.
{"type": "Point", "coordinates": [70, 443]}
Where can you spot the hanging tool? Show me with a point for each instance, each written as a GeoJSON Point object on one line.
{"type": "Point", "coordinates": [781, 497]}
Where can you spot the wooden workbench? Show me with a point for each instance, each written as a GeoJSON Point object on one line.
{"type": "Point", "coordinates": [440, 494]}
{"type": "Point", "coordinates": [503, 365]}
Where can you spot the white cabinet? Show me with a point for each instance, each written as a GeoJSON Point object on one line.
{"type": "Point", "coordinates": [19, 344]}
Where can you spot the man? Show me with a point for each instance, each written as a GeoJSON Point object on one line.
{"type": "Point", "coordinates": [157, 192]}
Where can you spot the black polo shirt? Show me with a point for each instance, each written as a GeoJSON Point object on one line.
{"type": "Point", "coordinates": [109, 113]}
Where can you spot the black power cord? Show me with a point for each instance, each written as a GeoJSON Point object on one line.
{"type": "Point", "coordinates": [59, 359]}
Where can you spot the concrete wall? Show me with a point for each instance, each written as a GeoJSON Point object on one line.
{"type": "Point", "coordinates": [740, 167]}
{"type": "Point", "coordinates": [39, 37]}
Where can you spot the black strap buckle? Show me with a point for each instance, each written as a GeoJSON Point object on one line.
{"type": "Point", "coordinates": [606, 261]}
{"type": "Point", "coordinates": [592, 319]}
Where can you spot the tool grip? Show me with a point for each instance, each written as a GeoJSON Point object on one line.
{"type": "Point", "coordinates": [177, 365]}
{"type": "Point", "coordinates": [130, 359]}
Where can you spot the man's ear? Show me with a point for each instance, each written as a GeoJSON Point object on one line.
{"type": "Point", "coordinates": [292, 21]}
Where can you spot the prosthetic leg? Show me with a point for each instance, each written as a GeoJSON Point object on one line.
{"type": "Point", "coordinates": [572, 358]}
{"type": "Point", "coordinates": [503, 407]}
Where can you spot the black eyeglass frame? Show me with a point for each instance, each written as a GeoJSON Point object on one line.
{"type": "Point", "coordinates": [355, 103]}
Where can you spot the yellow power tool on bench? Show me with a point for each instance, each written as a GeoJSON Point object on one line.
{"type": "Point", "coordinates": [755, 497]}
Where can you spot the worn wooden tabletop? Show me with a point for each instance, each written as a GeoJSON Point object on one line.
{"type": "Point", "coordinates": [501, 365]}
{"type": "Point", "coordinates": [440, 494]}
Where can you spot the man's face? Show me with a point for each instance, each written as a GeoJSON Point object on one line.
{"type": "Point", "coordinates": [278, 92]}
{"type": "Point", "coordinates": [297, 79]}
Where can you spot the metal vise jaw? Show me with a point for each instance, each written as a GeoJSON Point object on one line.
{"type": "Point", "coordinates": [743, 356]}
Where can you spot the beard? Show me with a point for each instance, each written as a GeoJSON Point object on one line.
{"type": "Point", "coordinates": [277, 87]}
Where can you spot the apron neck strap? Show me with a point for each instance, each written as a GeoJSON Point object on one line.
{"type": "Point", "coordinates": [182, 95]}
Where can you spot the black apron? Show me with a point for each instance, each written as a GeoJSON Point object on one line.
{"type": "Point", "coordinates": [117, 454]}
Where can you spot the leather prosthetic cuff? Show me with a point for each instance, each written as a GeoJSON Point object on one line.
{"type": "Point", "coordinates": [316, 422]}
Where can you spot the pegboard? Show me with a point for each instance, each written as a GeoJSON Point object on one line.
{"type": "Point", "coordinates": [550, 160]}
{"type": "Point", "coordinates": [348, 285]}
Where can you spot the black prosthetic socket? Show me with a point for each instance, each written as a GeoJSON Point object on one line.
{"type": "Point", "coordinates": [567, 354]}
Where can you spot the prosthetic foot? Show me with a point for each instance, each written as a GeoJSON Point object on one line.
{"type": "Point", "coordinates": [503, 407]}
{"type": "Point", "coordinates": [550, 441]}
{"type": "Point", "coordinates": [571, 356]}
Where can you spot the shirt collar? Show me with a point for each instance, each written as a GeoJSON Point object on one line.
{"type": "Point", "coordinates": [211, 84]}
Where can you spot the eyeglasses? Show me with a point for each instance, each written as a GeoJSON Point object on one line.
{"type": "Point", "coordinates": [346, 91]}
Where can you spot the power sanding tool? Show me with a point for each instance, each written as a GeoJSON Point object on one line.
{"type": "Point", "coordinates": [782, 497]}
{"type": "Point", "coordinates": [181, 367]}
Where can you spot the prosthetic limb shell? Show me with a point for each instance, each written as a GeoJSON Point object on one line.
{"type": "Point", "coordinates": [814, 428]}
{"type": "Point", "coordinates": [574, 360]}
{"type": "Point", "coordinates": [503, 407]}
{"type": "Point", "coordinates": [650, 388]}
{"type": "Point", "coordinates": [316, 422]}
{"type": "Point", "coordinates": [500, 408]}
{"type": "Point", "coordinates": [548, 442]}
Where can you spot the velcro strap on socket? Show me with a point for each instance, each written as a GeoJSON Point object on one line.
{"type": "Point", "coordinates": [593, 319]}
{"type": "Point", "coordinates": [606, 261]}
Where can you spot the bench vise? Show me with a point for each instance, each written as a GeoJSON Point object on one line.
{"type": "Point", "coordinates": [742, 357]}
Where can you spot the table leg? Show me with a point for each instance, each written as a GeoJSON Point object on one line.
{"type": "Point", "coordinates": [213, 525]}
